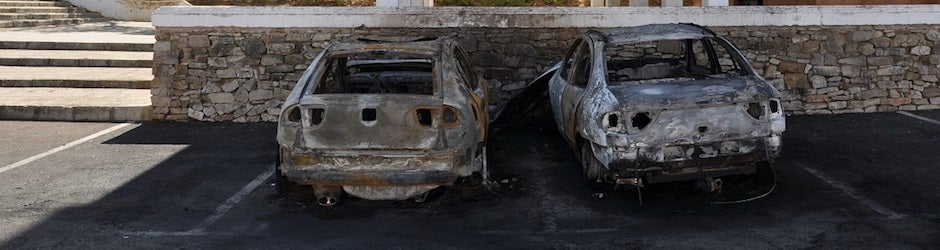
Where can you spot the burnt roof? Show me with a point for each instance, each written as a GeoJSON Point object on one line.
{"type": "Point", "coordinates": [653, 32]}
{"type": "Point", "coordinates": [409, 44]}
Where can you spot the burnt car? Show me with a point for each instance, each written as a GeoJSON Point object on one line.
{"type": "Point", "coordinates": [383, 119]}
{"type": "Point", "coordinates": [664, 103]}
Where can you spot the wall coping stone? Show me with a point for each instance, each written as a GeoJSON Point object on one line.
{"type": "Point", "coordinates": [538, 17]}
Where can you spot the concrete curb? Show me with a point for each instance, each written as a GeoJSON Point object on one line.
{"type": "Point", "coordinates": [59, 113]}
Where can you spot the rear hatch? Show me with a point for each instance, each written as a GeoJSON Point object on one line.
{"type": "Point", "coordinates": [371, 121]}
{"type": "Point", "coordinates": [374, 100]}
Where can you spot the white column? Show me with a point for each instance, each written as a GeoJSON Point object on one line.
{"type": "Point", "coordinates": [639, 3]}
{"type": "Point", "coordinates": [397, 3]}
{"type": "Point", "coordinates": [668, 3]}
{"type": "Point", "coordinates": [714, 2]}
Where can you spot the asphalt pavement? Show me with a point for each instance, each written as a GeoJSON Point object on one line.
{"type": "Point", "coordinates": [844, 181]}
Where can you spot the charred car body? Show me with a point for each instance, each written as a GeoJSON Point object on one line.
{"type": "Point", "coordinates": [383, 119]}
{"type": "Point", "coordinates": [663, 103]}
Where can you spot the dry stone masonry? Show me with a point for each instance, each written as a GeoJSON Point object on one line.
{"type": "Point", "coordinates": [244, 74]}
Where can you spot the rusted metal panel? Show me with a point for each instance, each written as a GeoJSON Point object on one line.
{"type": "Point", "coordinates": [663, 101]}
{"type": "Point", "coordinates": [385, 118]}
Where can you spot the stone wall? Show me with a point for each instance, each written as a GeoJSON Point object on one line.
{"type": "Point", "coordinates": [230, 74]}
{"type": "Point", "coordinates": [244, 74]}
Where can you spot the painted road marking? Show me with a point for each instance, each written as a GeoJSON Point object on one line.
{"type": "Point", "coordinates": [220, 211]}
{"type": "Point", "coordinates": [63, 147]}
{"type": "Point", "coordinates": [935, 122]}
{"type": "Point", "coordinates": [555, 231]}
{"type": "Point", "coordinates": [852, 193]}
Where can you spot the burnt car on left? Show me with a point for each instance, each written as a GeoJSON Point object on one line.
{"type": "Point", "coordinates": [383, 119]}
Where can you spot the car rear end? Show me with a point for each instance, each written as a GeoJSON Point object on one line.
{"type": "Point", "coordinates": [691, 130]}
{"type": "Point", "coordinates": [373, 120]}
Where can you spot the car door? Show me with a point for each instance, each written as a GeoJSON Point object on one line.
{"type": "Point", "coordinates": [574, 90]}
{"type": "Point", "coordinates": [475, 89]}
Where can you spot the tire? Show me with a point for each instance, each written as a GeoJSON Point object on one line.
{"type": "Point", "coordinates": [592, 168]}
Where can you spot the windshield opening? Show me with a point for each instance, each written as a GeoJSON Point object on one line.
{"type": "Point", "coordinates": [377, 72]}
{"type": "Point", "coordinates": [671, 60]}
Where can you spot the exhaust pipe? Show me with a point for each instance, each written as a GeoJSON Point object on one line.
{"type": "Point", "coordinates": [326, 201]}
{"type": "Point", "coordinates": [328, 196]}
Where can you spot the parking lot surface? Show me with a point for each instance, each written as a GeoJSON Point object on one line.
{"type": "Point", "coordinates": [844, 181]}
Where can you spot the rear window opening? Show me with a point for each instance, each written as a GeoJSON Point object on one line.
{"type": "Point", "coordinates": [377, 72]}
{"type": "Point", "coordinates": [670, 60]}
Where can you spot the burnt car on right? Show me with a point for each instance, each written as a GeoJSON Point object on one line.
{"type": "Point", "coordinates": [664, 103]}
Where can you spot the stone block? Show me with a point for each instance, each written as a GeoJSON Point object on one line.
{"type": "Point", "coordinates": [199, 41]}
{"type": "Point", "coordinates": [816, 99]}
{"type": "Point", "coordinates": [826, 70]}
{"type": "Point", "coordinates": [856, 61]}
{"type": "Point", "coordinates": [928, 107]}
{"type": "Point", "coordinates": [795, 80]}
{"type": "Point", "coordinates": [818, 81]}
{"type": "Point", "coordinates": [851, 71]}
{"type": "Point", "coordinates": [862, 35]}
{"type": "Point", "coordinates": [872, 93]}
{"type": "Point", "coordinates": [890, 71]}
{"type": "Point", "coordinates": [896, 101]}
{"type": "Point", "coordinates": [252, 46]}
{"type": "Point", "coordinates": [866, 49]}
{"type": "Point", "coordinates": [932, 35]}
{"type": "Point", "coordinates": [931, 92]}
{"type": "Point", "coordinates": [838, 105]}
{"type": "Point", "coordinates": [220, 98]}
{"type": "Point", "coordinates": [280, 48]}
{"type": "Point", "coordinates": [260, 94]}
{"type": "Point", "coordinates": [230, 86]}
{"type": "Point", "coordinates": [791, 67]}
{"type": "Point", "coordinates": [920, 50]}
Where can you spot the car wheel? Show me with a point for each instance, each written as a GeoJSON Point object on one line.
{"type": "Point", "coordinates": [592, 168]}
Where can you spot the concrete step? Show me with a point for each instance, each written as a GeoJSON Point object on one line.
{"type": "Point", "coordinates": [34, 4]}
{"type": "Point", "coordinates": [75, 104]}
{"type": "Point", "coordinates": [76, 58]}
{"type": "Point", "coordinates": [45, 22]}
{"type": "Point", "coordinates": [8, 9]}
{"type": "Point", "coordinates": [75, 77]}
{"type": "Point", "coordinates": [20, 16]}
{"type": "Point", "coordinates": [76, 46]}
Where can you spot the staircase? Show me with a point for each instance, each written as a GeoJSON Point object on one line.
{"type": "Point", "coordinates": [97, 71]}
{"type": "Point", "coordinates": [31, 13]}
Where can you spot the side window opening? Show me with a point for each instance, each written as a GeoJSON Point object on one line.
{"type": "Point", "coordinates": [377, 72]}
{"type": "Point", "coordinates": [569, 60]}
{"type": "Point", "coordinates": [581, 69]}
{"type": "Point", "coordinates": [465, 70]}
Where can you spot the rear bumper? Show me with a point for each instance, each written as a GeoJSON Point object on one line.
{"type": "Point", "coordinates": [373, 167]}
{"type": "Point", "coordinates": [359, 178]}
{"type": "Point", "coordinates": [688, 162]}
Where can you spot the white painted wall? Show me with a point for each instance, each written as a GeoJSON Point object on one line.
{"type": "Point", "coordinates": [540, 17]}
{"type": "Point", "coordinates": [714, 2]}
{"type": "Point", "coordinates": [671, 3]}
{"type": "Point", "coordinates": [129, 10]}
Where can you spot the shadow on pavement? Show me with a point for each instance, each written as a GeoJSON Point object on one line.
{"type": "Point", "coordinates": [174, 195]}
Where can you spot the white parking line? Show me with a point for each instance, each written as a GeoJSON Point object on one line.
{"type": "Point", "coordinates": [63, 147]}
{"type": "Point", "coordinates": [231, 201]}
{"type": "Point", "coordinates": [220, 211]}
{"type": "Point", "coordinates": [935, 122]}
{"type": "Point", "coordinates": [852, 193]}
{"type": "Point", "coordinates": [555, 231]}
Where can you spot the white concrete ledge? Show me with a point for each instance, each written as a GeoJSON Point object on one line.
{"type": "Point", "coordinates": [540, 17]}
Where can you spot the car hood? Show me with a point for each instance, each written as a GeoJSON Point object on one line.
{"type": "Point", "coordinates": [691, 93]}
